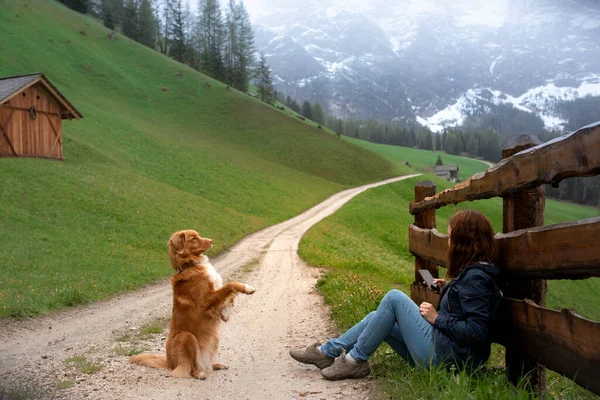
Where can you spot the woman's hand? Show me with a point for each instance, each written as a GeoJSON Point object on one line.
{"type": "Point", "coordinates": [440, 283]}
{"type": "Point", "coordinates": [428, 312]}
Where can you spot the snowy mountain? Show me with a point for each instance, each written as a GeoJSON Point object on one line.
{"type": "Point", "coordinates": [432, 60]}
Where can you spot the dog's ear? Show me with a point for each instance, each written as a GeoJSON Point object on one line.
{"type": "Point", "coordinates": [176, 242]}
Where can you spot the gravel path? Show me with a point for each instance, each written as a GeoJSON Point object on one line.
{"type": "Point", "coordinates": [52, 354]}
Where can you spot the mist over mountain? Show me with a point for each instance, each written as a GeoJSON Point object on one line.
{"type": "Point", "coordinates": [432, 61]}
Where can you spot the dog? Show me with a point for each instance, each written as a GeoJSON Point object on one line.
{"type": "Point", "coordinates": [200, 303]}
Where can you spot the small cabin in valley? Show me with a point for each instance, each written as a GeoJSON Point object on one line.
{"type": "Point", "coordinates": [31, 114]}
{"type": "Point", "coordinates": [448, 172]}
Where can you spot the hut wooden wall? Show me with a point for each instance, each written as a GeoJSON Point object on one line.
{"type": "Point", "coordinates": [40, 137]}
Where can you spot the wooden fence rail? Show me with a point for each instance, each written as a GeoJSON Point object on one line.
{"type": "Point", "coordinates": [569, 250]}
{"type": "Point", "coordinates": [577, 154]}
{"type": "Point", "coordinates": [529, 253]}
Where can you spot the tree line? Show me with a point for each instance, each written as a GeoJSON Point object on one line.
{"type": "Point", "coordinates": [473, 140]}
{"type": "Point", "coordinates": [314, 112]}
{"type": "Point", "coordinates": [218, 43]}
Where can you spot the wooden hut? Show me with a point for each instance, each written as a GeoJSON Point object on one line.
{"type": "Point", "coordinates": [448, 172]}
{"type": "Point", "coordinates": [31, 114]}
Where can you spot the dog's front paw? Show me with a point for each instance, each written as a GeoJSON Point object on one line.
{"type": "Point", "coordinates": [249, 289]}
{"type": "Point", "coordinates": [219, 366]}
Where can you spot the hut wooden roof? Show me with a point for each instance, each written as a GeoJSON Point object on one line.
{"type": "Point", "coordinates": [446, 168]}
{"type": "Point", "coordinates": [13, 85]}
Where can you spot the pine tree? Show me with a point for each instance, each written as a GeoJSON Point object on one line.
{"type": "Point", "coordinates": [238, 46]}
{"type": "Point", "coordinates": [439, 161]}
{"type": "Point", "coordinates": [107, 18]}
{"type": "Point", "coordinates": [130, 21]}
{"type": "Point", "coordinates": [438, 142]}
{"type": "Point", "coordinates": [211, 30]}
{"type": "Point", "coordinates": [245, 48]}
{"type": "Point", "coordinates": [163, 24]}
{"type": "Point", "coordinates": [317, 113]}
{"type": "Point", "coordinates": [307, 110]}
{"type": "Point", "coordinates": [230, 42]}
{"type": "Point", "coordinates": [146, 24]}
{"type": "Point", "coordinates": [264, 85]}
{"type": "Point", "coordinates": [177, 39]}
{"type": "Point", "coordinates": [112, 12]}
{"type": "Point", "coordinates": [83, 6]}
{"type": "Point", "coordinates": [340, 127]}
{"type": "Point", "coordinates": [473, 144]}
{"type": "Point", "coordinates": [428, 145]}
{"type": "Point", "coordinates": [296, 107]}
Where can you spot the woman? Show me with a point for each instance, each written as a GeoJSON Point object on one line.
{"type": "Point", "coordinates": [458, 332]}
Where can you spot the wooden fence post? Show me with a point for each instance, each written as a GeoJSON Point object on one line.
{"type": "Point", "coordinates": [425, 219]}
{"type": "Point", "coordinates": [524, 209]}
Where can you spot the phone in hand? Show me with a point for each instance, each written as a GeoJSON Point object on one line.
{"type": "Point", "coordinates": [428, 278]}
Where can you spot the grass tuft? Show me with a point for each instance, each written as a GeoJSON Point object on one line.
{"type": "Point", "coordinates": [65, 385]}
{"type": "Point", "coordinates": [83, 364]}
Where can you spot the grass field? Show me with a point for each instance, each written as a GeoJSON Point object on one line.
{"type": "Point", "coordinates": [153, 154]}
{"type": "Point", "coordinates": [364, 247]}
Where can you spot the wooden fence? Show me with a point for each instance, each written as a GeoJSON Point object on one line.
{"type": "Point", "coordinates": [529, 253]}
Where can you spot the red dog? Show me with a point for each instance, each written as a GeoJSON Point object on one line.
{"type": "Point", "coordinates": [200, 302]}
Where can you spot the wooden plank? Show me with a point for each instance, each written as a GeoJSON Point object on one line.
{"type": "Point", "coordinates": [419, 294]}
{"type": "Point", "coordinates": [577, 154]}
{"type": "Point", "coordinates": [569, 250]}
{"type": "Point", "coordinates": [560, 340]}
{"type": "Point", "coordinates": [425, 219]}
{"type": "Point", "coordinates": [27, 110]}
{"type": "Point", "coordinates": [58, 137]}
{"type": "Point", "coordinates": [428, 244]}
{"type": "Point", "coordinates": [524, 209]}
{"type": "Point", "coordinates": [4, 128]}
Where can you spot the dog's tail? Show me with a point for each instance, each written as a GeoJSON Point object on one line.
{"type": "Point", "coordinates": [150, 360]}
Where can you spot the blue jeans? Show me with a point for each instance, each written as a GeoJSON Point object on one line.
{"type": "Point", "coordinates": [398, 322]}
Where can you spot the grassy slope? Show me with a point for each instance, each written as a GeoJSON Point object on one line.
{"type": "Point", "coordinates": [153, 154]}
{"type": "Point", "coordinates": [364, 246]}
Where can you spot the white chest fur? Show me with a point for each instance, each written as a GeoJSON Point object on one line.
{"type": "Point", "coordinates": [213, 275]}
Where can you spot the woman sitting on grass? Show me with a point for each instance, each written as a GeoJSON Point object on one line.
{"type": "Point", "coordinates": [458, 333]}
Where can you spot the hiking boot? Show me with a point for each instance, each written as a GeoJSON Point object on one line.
{"type": "Point", "coordinates": [312, 355]}
{"type": "Point", "coordinates": [345, 369]}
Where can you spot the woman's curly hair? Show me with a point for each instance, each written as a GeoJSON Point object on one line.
{"type": "Point", "coordinates": [471, 241]}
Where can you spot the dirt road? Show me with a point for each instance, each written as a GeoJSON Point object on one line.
{"type": "Point", "coordinates": [54, 352]}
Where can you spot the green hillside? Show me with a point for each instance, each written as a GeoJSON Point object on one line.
{"type": "Point", "coordinates": [423, 160]}
{"type": "Point", "coordinates": [155, 153]}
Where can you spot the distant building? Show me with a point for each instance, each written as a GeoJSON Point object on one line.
{"type": "Point", "coordinates": [448, 172]}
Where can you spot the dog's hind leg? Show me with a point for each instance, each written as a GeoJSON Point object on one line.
{"type": "Point", "coordinates": [208, 352]}
{"type": "Point", "coordinates": [182, 354]}
{"type": "Point", "coordinates": [149, 360]}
